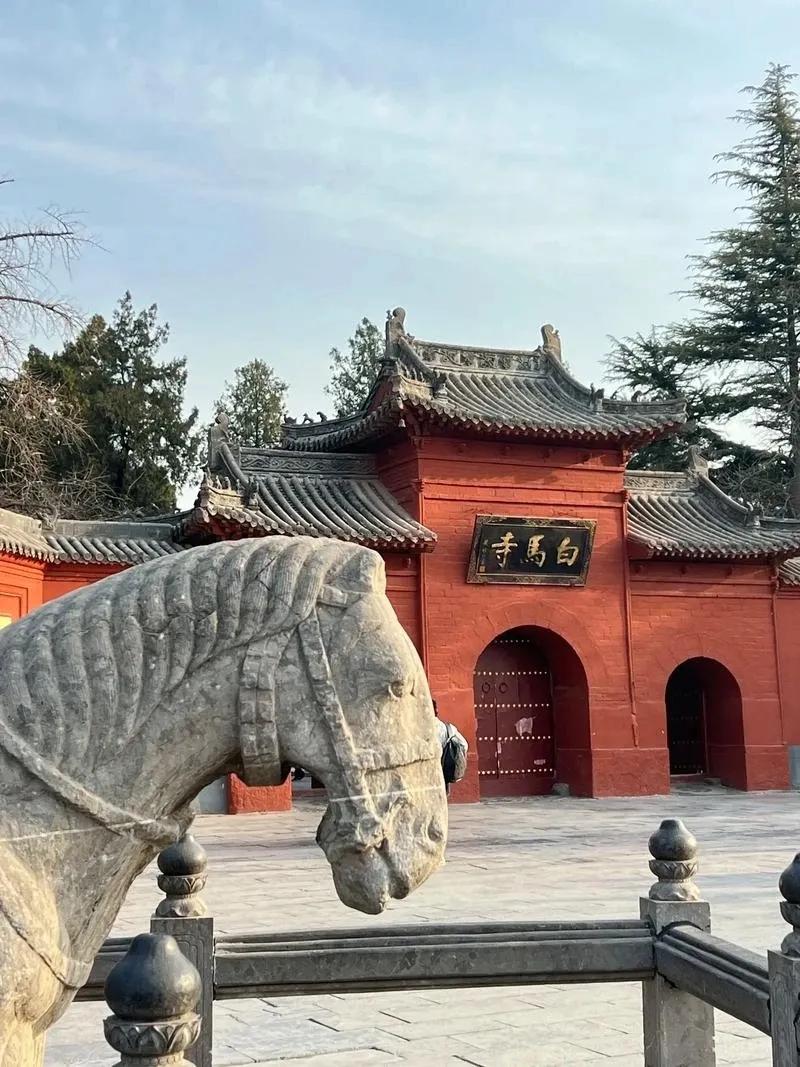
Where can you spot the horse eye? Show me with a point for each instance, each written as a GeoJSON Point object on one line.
{"type": "Point", "coordinates": [397, 689]}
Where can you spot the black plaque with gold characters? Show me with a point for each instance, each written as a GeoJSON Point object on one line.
{"type": "Point", "coordinates": [530, 551]}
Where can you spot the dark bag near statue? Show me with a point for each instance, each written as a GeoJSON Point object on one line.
{"type": "Point", "coordinates": [454, 755]}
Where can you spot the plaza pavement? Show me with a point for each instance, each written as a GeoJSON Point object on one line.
{"type": "Point", "coordinates": [537, 858]}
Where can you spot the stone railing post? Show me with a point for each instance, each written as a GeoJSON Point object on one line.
{"type": "Point", "coordinates": [183, 915]}
{"type": "Point", "coordinates": [152, 992]}
{"type": "Point", "coordinates": [678, 1028]}
{"type": "Point", "coordinates": [784, 975]}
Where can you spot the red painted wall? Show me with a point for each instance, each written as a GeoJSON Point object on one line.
{"type": "Point", "coordinates": [787, 624]}
{"type": "Point", "coordinates": [600, 750]}
{"type": "Point", "coordinates": [724, 613]}
{"type": "Point", "coordinates": [60, 578]}
{"type": "Point", "coordinates": [628, 629]}
{"type": "Point", "coordinates": [20, 585]}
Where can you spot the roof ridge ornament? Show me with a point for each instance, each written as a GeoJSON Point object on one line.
{"type": "Point", "coordinates": [551, 341]}
{"type": "Point", "coordinates": [697, 463]}
{"type": "Point", "coordinates": [755, 513]}
{"type": "Point", "coordinates": [217, 435]}
{"type": "Point", "coordinates": [395, 327]}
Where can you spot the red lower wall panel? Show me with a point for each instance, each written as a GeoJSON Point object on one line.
{"type": "Point", "coordinates": [629, 772]}
{"type": "Point", "coordinates": [242, 799]}
{"type": "Point", "coordinates": [20, 586]}
{"type": "Point", "coordinates": [766, 767]}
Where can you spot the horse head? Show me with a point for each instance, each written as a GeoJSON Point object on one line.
{"type": "Point", "coordinates": [350, 703]}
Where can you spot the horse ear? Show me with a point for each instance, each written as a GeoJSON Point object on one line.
{"type": "Point", "coordinates": [364, 570]}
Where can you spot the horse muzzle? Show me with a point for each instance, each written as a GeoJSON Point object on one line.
{"type": "Point", "coordinates": [375, 859]}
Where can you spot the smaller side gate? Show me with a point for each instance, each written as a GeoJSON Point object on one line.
{"type": "Point", "coordinates": [161, 986]}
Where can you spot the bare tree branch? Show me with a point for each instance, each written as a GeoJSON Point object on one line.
{"type": "Point", "coordinates": [37, 420]}
{"type": "Point", "coordinates": [29, 301]}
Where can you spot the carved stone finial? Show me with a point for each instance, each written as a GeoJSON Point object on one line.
{"type": "Point", "coordinates": [698, 464]}
{"type": "Point", "coordinates": [674, 862]}
{"type": "Point", "coordinates": [306, 418]}
{"type": "Point", "coordinates": [789, 885]}
{"type": "Point", "coordinates": [551, 341]}
{"type": "Point", "coordinates": [153, 992]}
{"type": "Point", "coordinates": [183, 877]}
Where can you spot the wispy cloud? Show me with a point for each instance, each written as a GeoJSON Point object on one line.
{"type": "Point", "coordinates": [480, 166]}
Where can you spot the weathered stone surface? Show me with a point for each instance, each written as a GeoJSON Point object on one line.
{"type": "Point", "coordinates": [119, 702]}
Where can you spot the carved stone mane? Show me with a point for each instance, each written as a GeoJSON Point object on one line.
{"type": "Point", "coordinates": [124, 645]}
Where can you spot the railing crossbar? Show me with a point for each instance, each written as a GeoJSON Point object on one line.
{"type": "Point", "coordinates": [420, 936]}
{"type": "Point", "coordinates": [413, 929]}
{"type": "Point", "coordinates": [731, 979]}
{"type": "Point", "coordinates": [412, 964]}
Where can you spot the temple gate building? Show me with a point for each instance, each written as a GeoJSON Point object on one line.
{"type": "Point", "coordinates": [588, 628]}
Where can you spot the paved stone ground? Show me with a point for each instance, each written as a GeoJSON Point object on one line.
{"type": "Point", "coordinates": [542, 858]}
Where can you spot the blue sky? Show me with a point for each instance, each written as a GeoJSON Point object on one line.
{"type": "Point", "coordinates": [268, 171]}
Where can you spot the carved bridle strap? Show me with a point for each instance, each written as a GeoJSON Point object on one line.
{"type": "Point", "coordinates": [258, 728]}
{"type": "Point", "coordinates": [355, 796]}
{"type": "Point", "coordinates": [261, 762]}
{"type": "Point", "coordinates": [156, 832]}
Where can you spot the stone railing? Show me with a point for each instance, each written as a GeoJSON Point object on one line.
{"type": "Point", "coordinates": [161, 986]}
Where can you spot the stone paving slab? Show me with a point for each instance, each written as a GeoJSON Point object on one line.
{"type": "Point", "coordinates": [537, 858]}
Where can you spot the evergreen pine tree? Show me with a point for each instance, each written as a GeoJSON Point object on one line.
{"type": "Point", "coordinates": [353, 372]}
{"type": "Point", "coordinates": [255, 405]}
{"type": "Point", "coordinates": [740, 354]}
{"type": "Point", "coordinates": [143, 447]}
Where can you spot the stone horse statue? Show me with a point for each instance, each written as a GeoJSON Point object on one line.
{"type": "Point", "coordinates": [119, 702]}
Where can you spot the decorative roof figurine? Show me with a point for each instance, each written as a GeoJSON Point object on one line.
{"type": "Point", "coordinates": [551, 341]}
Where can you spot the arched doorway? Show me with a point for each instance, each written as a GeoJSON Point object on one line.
{"type": "Point", "coordinates": [705, 732]}
{"type": "Point", "coordinates": [532, 714]}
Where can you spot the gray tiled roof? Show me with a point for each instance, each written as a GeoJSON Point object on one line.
{"type": "Point", "coordinates": [495, 392]}
{"type": "Point", "coordinates": [74, 541]}
{"type": "Point", "coordinates": [275, 491]}
{"type": "Point", "coordinates": [685, 516]}
{"type": "Point", "coordinates": [789, 572]}
{"type": "Point", "coordinates": [21, 535]}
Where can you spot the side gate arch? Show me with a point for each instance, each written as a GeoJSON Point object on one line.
{"type": "Point", "coordinates": [705, 722]}
{"type": "Point", "coordinates": [707, 671]}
